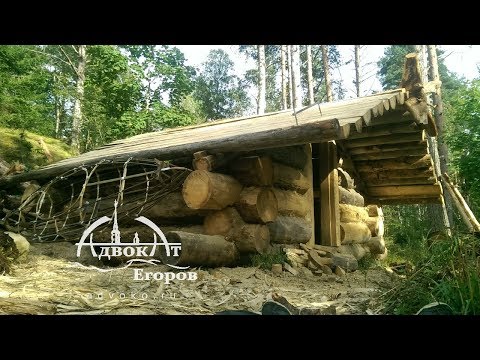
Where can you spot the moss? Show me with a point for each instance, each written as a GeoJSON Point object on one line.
{"type": "Point", "coordinates": [25, 147]}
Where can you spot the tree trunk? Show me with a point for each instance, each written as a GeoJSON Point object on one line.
{"type": "Point", "coordinates": [257, 205]}
{"type": "Point", "coordinates": [357, 69]}
{"type": "Point", "coordinates": [58, 113]}
{"type": "Point", "coordinates": [201, 250]}
{"type": "Point", "coordinates": [206, 190]}
{"type": "Point", "coordinates": [437, 213]}
{"type": "Point", "coordinates": [297, 89]}
{"type": "Point", "coordinates": [290, 75]}
{"type": "Point", "coordinates": [77, 109]}
{"type": "Point", "coordinates": [290, 230]}
{"type": "Point", "coordinates": [433, 75]}
{"type": "Point", "coordinates": [326, 71]}
{"type": "Point", "coordinates": [261, 80]}
{"type": "Point", "coordinates": [283, 55]}
{"type": "Point", "coordinates": [310, 75]}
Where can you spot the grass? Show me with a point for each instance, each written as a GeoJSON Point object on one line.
{"type": "Point", "coordinates": [25, 147]}
{"type": "Point", "coordinates": [265, 261]}
{"type": "Point", "coordinates": [448, 271]}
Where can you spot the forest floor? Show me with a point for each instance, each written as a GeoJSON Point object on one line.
{"type": "Point", "coordinates": [50, 281]}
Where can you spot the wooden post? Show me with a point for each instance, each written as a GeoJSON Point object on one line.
{"type": "Point", "coordinates": [329, 195]}
{"type": "Point", "coordinates": [309, 195]}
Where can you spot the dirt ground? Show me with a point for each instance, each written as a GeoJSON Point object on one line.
{"type": "Point", "coordinates": [50, 281]}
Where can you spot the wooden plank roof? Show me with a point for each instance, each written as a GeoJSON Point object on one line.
{"type": "Point", "coordinates": [370, 130]}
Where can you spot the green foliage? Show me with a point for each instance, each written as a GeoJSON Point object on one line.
{"type": "Point", "coordinates": [448, 272]}
{"type": "Point", "coordinates": [463, 139]}
{"type": "Point", "coordinates": [24, 89]}
{"type": "Point", "coordinates": [265, 261]}
{"type": "Point", "coordinates": [220, 93]}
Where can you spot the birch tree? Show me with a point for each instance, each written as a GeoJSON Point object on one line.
{"type": "Point", "coordinates": [261, 80]}
{"type": "Point", "coordinates": [311, 97]}
{"type": "Point", "coordinates": [326, 70]}
{"type": "Point", "coordinates": [81, 51]}
{"type": "Point", "coordinates": [283, 60]}
{"type": "Point", "coordinates": [296, 85]}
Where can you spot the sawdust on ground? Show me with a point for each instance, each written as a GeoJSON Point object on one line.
{"type": "Point", "coordinates": [50, 281]}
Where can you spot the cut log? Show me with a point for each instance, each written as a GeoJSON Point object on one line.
{"type": "Point", "coordinates": [373, 210]}
{"type": "Point", "coordinates": [376, 245]}
{"type": "Point", "coordinates": [206, 190]}
{"type": "Point", "coordinates": [206, 163]}
{"type": "Point", "coordinates": [293, 156]}
{"type": "Point", "coordinates": [290, 230]}
{"type": "Point", "coordinates": [291, 203]}
{"type": "Point", "coordinates": [251, 238]}
{"type": "Point", "coordinates": [354, 233]}
{"type": "Point", "coordinates": [257, 205]}
{"type": "Point", "coordinates": [286, 177]}
{"type": "Point", "coordinates": [201, 250]}
{"type": "Point", "coordinates": [345, 180]}
{"type": "Point", "coordinates": [351, 213]}
{"type": "Point", "coordinates": [222, 222]}
{"type": "Point", "coordinates": [170, 206]}
{"type": "Point", "coordinates": [345, 261]}
{"type": "Point", "coordinates": [350, 197]}
{"type": "Point", "coordinates": [253, 170]}
{"type": "Point", "coordinates": [375, 224]}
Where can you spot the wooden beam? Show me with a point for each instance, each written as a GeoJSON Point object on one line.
{"type": "Point", "coordinates": [463, 203]}
{"type": "Point", "coordinates": [375, 149]}
{"type": "Point", "coordinates": [403, 200]}
{"type": "Point", "coordinates": [397, 174]}
{"type": "Point", "coordinates": [391, 154]}
{"type": "Point", "coordinates": [329, 196]}
{"type": "Point", "coordinates": [396, 182]}
{"type": "Point", "coordinates": [411, 77]}
{"type": "Point", "coordinates": [458, 204]}
{"type": "Point", "coordinates": [387, 139]}
{"type": "Point", "coordinates": [407, 127]}
{"type": "Point", "coordinates": [406, 191]}
{"type": "Point", "coordinates": [252, 134]}
{"type": "Point", "coordinates": [401, 163]}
